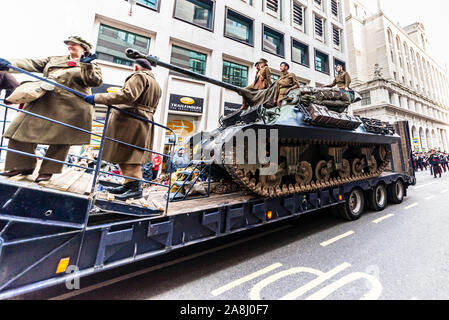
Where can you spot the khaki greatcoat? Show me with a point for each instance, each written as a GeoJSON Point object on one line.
{"type": "Point", "coordinates": [58, 104]}
{"type": "Point", "coordinates": [140, 95]}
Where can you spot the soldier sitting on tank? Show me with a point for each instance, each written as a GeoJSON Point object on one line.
{"type": "Point", "coordinates": [342, 80]}
{"type": "Point", "coordinates": [285, 84]}
{"type": "Point", "coordinates": [262, 80]}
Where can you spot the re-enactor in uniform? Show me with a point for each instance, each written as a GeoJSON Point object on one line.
{"type": "Point", "coordinates": [75, 71]}
{"type": "Point", "coordinates": [262, 79]}
{"type": "Point", "coordinates": [342, 80]}
{"type": "Point", "coordinates": [285, 84]}
{"type": "Point", "coordinates": [140, 95]}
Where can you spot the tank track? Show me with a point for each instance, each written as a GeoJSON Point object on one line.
{"type": "Point", "coordinates": [285, 184]}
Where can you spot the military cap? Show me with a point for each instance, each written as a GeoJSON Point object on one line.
{"type": "Point", "coordinates": [78, 40]}
{"type": "Point", "coordinates": [285, 64]}
{"type": "Point", "coordinates": [143, 63]}
{"type": "Point", "coordinates": [262, 60]}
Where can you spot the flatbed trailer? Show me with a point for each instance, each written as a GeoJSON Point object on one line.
{"type": "Point", "coordinates": [44, 231]}
{"type": "Point", "coordinates": [52, 234]}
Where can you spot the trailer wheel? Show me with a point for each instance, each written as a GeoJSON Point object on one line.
{"type": "Point", "coordinates": [355, 204]}
{"type": "Point", "coordinates": [396, 192]}
{"type": "Point", "coordinates": [378, 197]}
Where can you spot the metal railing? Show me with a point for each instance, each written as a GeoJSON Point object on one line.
{"type": "Point", "coordinates": [101, 138]}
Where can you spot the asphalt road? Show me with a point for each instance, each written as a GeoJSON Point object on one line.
{"type": "Point", "coordinates": [401, 253]}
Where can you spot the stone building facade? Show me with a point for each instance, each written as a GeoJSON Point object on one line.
{"type": "Point", "coordinates": [398, 79]}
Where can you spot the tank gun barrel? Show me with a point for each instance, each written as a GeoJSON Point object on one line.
{"type": "Point", "coordinates": [154, 61]}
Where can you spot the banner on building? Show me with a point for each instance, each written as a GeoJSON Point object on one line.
{"type": "Point", "coordinates": [186, 103]}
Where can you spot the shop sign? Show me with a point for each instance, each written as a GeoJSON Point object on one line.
{"type": "Point", "coordinates": [231, 108]}
{"type": "Point", "coordinates": [186, 103]}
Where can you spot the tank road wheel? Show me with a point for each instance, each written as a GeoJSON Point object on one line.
{"type": "Point", "coordinates": [345, 172]}
{"type": "Point", "coordinates": [373, 167]}
{"type": "Point", "coordinates": [357, 168]}
{"type": "Point", "coordinates": [353, 208]}
{"type": "Point", "coordinates": [378, 197]}
{"type": "Point", "coordinates": [321, 171]}
{"type": "Point", "coordinates": [396, 192]}
{"type": "Point", "coordinates": [304, 173]}
{"type": "Point", "coordinates": [382, 153]}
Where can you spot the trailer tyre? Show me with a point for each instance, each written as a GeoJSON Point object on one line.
{"type": "Point", "coordinates": [396, 192]}
{"type": "Point", "coordinates": [355, 204]}
{"type": "Point", "coordinates": [378, 198]}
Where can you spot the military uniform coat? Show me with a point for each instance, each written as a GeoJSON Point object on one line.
{"type": "Point", "coordinates": [140, 95]}
{"type": "Point", "coordinates": [58, 104]}
{"type": "Point", "coordinates": [263, 79]}
{"type": "Point", "coordinates": [342, 81]}
{"type": "Point", "coordinates": [285, 82]}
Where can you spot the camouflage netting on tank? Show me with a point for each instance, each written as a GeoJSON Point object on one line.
{"type": "Point", "coordinates": [334, 99]}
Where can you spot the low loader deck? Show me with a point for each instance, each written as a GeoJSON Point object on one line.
{"type": "Point", "coordinates": [44, 230]}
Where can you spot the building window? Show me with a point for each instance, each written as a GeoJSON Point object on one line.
{"type": "Point", "coordinates": [113, 42]}
{"type": "Point", "coordinates": [366, 98]}
{"type": "Point", "coordinates": [298, 14]}
{"type": "Point", "coordinates": [319, 28]}
{"type": "Point", "coordinates": [273, 7]}
{"type": "Point", "coordinates": [274, 77]}
{"type": "Point", "coordinates": [235, 74]}
{"type": "Point", "coordinates": [197, 12]}
{"type": "Point", "coordinates": [321, 62]}
{"type": "Point", "coordinates": [338, 62]}
{"type": "Point", "coordinates": [152, 4]}
{"type": "Point", "coordinates": [188, 59]}
{"type": "Point", "coordinates": [318, 4]}
{"type": "Point", "coordinates": [336, 37]}
{"type": "Point", "coordinates": [335, 8]}
{"type": "Point", "coordinates": [300, 53]}
{"type": "Point", "coordinates": [238, 27]}
{"type": "Point", "coordinates": [273, 41]}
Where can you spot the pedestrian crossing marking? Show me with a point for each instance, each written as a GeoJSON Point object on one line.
{"type": "Point", "coordinates": [429, 198]}
{"type": "Point", "coordinates": [444, 191]}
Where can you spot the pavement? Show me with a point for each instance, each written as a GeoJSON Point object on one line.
{"type": "Point", "coordinates": [401, 253]}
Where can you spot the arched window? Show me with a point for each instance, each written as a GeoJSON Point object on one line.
{"type": "Point", "coordinates": [391, 44]}
{"type": "Point", "coordinates": [399, 48]}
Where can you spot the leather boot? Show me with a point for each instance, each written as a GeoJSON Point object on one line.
{"type": "Point", "coordinates": [134, 191]}
{"type": "Point", "coordinates": [14, 173]}
{"type": "Point", "coordinates": [44, 178]}
{"type": "Point", "coordinates": [117, 190]}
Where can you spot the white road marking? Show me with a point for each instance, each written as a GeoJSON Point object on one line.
{"type": "Point", "coordinates": [373, 294]}
{"type": "Point", "coordinates": [411, 206]}
{"type": "Point", "coordinates": [444, 191]}
{"type": "Point", "coordinates": [423, 185]}
{"type": "Point", "coordinates": [245, 279]}
{"type": "Point", "coordinates": [383, 218]}
{"type": "Point", "coordinates": [429, 198]}
{"type": "Point", "coordinates": [161, 266]}
{"type": "Point", "coordinates": [328, 242]}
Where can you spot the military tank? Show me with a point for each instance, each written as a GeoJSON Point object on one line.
{"type": "Point", "coordinates": [317, 144]}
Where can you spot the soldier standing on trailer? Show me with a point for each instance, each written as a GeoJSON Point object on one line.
{"type": "Point", "coordinates": [140, 95]}
{"type": "Point", "coordinates": [75, 71]}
